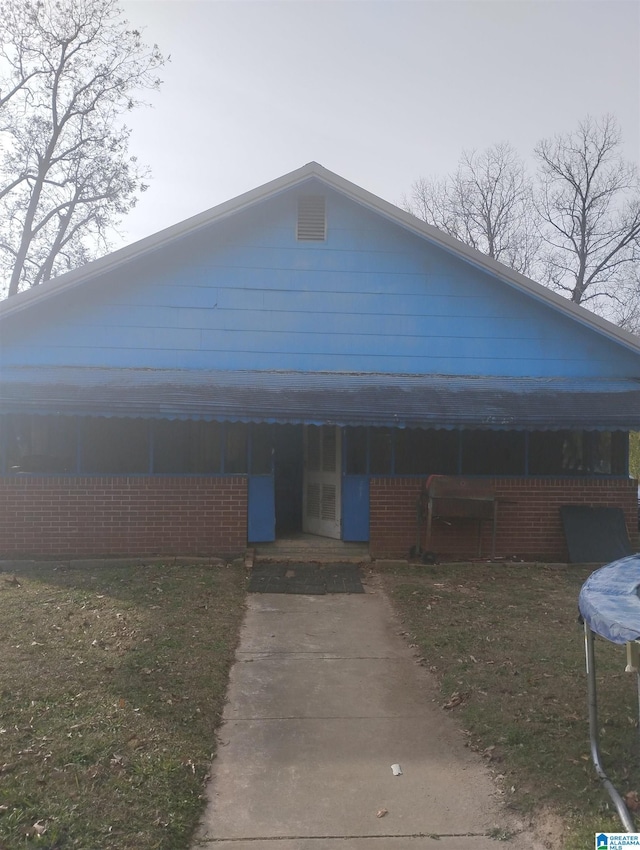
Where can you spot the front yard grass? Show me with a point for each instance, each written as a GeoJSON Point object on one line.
{"type": "Point", "coordinates": [112, 684]}
{"type": "Point", "coordinates": [505, 644]}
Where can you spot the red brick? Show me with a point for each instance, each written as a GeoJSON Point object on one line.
{"type": "Point", "coordinates": [138, 515]}
{"type": "Point", "coordinates": [529, 523]}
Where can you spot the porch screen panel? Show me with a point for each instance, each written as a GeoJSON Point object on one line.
{"type": "Point", "coordinates": [380, 451]}
{"type": "Point", "coordinates": [356, 442]}
{"type": "Point", "coordinates": [577, 453]}
{"type": "Point", "coordinates": [235, 456]}
{"type": "Point", "coordinates": [115, 445]}
{"type": "Point", "coordinates": [426, 452]}
{"type": "Point", "coordinates": [619, 452]}
{"type": "Point", "coordinates": [187, 447]}
{"type": "Point", "coordinates": [493, 452]}
{"type": "Point", "coordinates": [261, 449]}
{"type": "Point", "coordinates": [40, 443]}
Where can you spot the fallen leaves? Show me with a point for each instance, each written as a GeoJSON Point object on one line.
{"type": "Point", "coordinates": [455, 700]}
{"type": "Point", "coordinates": [516, 673]}
{"type": "Point", "coordinates": [82, 722]}
{"type": "Point", "coordinates": [37, 829]}
{"type": "Point", "coordinates": [12, 580]}
{"type": "Point", "coordinates": [632, 801]}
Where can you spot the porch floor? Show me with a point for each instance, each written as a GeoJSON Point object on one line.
{"type": "Point", "coordinates": [307, 548]}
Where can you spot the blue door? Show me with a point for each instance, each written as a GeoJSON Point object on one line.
{"type": "Point", "coordinates": [262, 509]}
{"type": "Point", "coordinates": [261, 489]}
{"type": "Point", "coordinates": [355, 507]}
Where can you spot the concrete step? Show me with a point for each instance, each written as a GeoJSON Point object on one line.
{"type": "Point", "coordinates": [309, 548]}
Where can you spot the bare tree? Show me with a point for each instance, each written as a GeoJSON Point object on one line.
{"type": "Point", "coordinates": [486, 203]}
{"type": "Point", "coordinates": [588, 203]}
{"type": "Point", "coordinates": [624, 308]}
{"type": "Point", "coordinates": [69, 71]}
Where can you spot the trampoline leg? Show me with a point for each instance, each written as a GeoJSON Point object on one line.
{"type": "Point", "coordinates": [419, 518]}
{"type": "Point", "coordinates": [633, 666]}
{"type": "Point", "coordinates": [618, 802]}
{"type": "Point", "coordinates": [638, 684]}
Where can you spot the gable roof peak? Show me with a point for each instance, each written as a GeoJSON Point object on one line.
{"type": "Point", "coordinates": [357, 194]}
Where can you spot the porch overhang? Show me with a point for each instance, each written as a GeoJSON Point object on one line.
{"type": "Point", "coordinates": [387, 400]}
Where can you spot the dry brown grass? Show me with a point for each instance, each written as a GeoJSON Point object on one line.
{"type": "Point", "coordinates": [112, 684]}
{"type": "Point", "coordinates": [507, 648]}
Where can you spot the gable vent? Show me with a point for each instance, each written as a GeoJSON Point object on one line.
{"type": "Point", "coordinates": [312, 222]}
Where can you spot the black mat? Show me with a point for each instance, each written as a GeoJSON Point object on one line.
{"type": "Point", "coordinates": [595, 535]}
{"type": "Point", "coordinates": [309, 579]}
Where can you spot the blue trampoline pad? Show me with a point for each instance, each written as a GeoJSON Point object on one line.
{"type": "Point", "coordinates": [610, 602]}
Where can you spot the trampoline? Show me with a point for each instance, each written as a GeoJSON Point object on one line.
{"type": "Point", "coordinates": [609, 603]}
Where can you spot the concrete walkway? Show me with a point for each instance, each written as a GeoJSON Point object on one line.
{"type": "Point", "coordinates": [324, 697]}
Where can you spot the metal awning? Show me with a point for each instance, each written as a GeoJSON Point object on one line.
{"type": "Point", "coordinates": [393, 400]}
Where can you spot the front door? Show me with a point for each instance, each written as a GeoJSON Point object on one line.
{"type": "Point", "coordinates": [321, 502]}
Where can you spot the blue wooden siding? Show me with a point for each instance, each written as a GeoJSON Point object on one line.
{"type": "Point", "coordinates": [244, 294]}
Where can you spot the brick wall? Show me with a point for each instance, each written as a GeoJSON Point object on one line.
{"type": "Point", "coordinates": [150, 515]}
{"type": "Point", "coordinates": [529, 524]}
{"type": "Point", "coordinates": [122, 515]}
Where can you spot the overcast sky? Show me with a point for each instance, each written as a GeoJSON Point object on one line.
{"type": "Point", "coordinates": [379, 92]}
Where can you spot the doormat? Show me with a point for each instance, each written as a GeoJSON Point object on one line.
{"type": "Point", "coordinates": [595, 535]}
{"type": "Point", "coordinates": [308, 579]}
